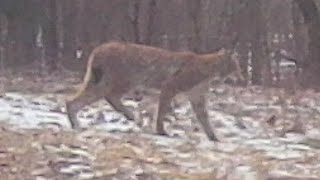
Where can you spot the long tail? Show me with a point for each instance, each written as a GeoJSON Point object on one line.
{"type": "Point", "coordinates": [87, 76]}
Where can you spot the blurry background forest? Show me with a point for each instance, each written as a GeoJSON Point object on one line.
{"type": "Point", "coordinates": [265, 132]}
{"type": "Point", "coordinates": [49, 33]}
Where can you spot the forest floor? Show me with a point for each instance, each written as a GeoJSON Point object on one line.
{"type": "Point", "coordinates": [265, 133]}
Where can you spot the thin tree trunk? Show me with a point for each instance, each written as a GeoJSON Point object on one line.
{"type": "Point", "coordinates": [3, 40]}
{"type": "Point", "coordinates": [259, 43]}
{"type": "Point", "coordinates": [50, 35]}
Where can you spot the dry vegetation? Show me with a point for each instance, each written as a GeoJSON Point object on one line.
{"type": "Point", "coordinates": [254, 145]}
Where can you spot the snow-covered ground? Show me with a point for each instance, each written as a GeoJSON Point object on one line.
{"type": "Point", "coordinates": [264, 133]}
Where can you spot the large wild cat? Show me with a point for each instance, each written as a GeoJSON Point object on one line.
{"type": "Point", "coordinates": [115, 68]}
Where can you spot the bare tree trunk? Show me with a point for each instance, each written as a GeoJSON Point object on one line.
{"type": "Point", "coordinates": [298, 34]}
{"type": "Point", "coordinates": [173, 26]}
{"type": "Point", "coordinates": [142, 14]}
{"type": "Point", "coordinates": [243, 50]}
{"type": "Point", "coordinates": [248, 25]}
{"type": "Point", "coordinates": [3, 40]}
{"type": "Point", "coordinates": [60, 30]}
{"type": "Point", "coordinates": [259, 43]}
{"type": "Point", "coordinates": [194, 7]}
{"type": "Point", "coordinates": [50, 35]}
{"type": "Point", "coordinates": [311, 66]}
{"type": "Point", "coordinates": [134, 12]}
{"type": "Point", "coordinates": [80, 28]}
{"type": "Point", "coordinates": [239, 26]}
{"type": "Point", "coordinates": [21, 18]}
{"type": "Point", "coordinates": [69, 23]}
{"type": "Point", "coordinates": [299, 37]}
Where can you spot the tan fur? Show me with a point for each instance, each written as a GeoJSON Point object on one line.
{"type": "Point", "coordinates": [119, 67]}
{"type": "Point", "coordinates": [87, 76]}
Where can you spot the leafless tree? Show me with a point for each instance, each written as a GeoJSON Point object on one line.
{"type": "Point", "coordinates": [311, 64]}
